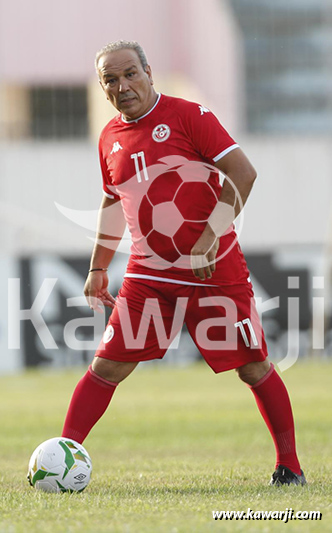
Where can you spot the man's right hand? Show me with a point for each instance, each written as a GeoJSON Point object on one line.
{"type": "Point", "coordinates": [96, 291]}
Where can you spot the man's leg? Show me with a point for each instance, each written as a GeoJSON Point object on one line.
{"type": "Point", "coordinates": [273, 402]}
{"type": "Point", "coordinates": [92, 396]}
{"type": "Point", "coordinates": [137, 302]}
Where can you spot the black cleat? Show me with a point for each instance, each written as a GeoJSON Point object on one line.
{"type": "Point", "coordinates": [284, 476]}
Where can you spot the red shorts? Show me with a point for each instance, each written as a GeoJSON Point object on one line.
{"type": "Point", "coordinates": [148, 315]}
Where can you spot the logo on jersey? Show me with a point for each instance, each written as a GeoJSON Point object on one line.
{"type": "Point", "coordinates": [161, 133]}
{"type": "Point", "coordinates": [203, 109]}
{"type": "Point", "coordinates": [116, 147]}
{"type": "Point", "coordinates": [109, 334]}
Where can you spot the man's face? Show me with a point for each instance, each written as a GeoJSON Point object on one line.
{"type": "Point", "coordinates": [126, 84]}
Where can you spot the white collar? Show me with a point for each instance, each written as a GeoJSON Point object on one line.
{"type": "Point", "coordinates": [146, 114]}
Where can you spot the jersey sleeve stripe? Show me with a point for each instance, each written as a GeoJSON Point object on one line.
{"type": "Point", "coordinates": [111, 196]}
{"type": "Point", "coordinates": [225, 152]}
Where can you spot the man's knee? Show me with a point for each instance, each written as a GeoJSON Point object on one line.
{"type": "Point", "coordinates": [251, 373]}
{"type": "Point", "coordinates": [114, 371]}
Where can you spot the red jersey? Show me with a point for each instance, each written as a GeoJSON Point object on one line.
{"type": "Point", "coordinates": [161, 168]}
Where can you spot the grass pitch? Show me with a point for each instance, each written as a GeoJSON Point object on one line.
{"type": "Point", "coordinates": [175, 445]}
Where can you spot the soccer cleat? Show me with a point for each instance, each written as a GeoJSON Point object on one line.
{"type": "Point", "coordinates": [284, 476]}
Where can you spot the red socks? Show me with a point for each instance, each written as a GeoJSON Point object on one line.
{"type": "Point", "coordinates": [89, 402]}
{"type": "Point", "coordinates": [93, 394]}
{"type": "Point", "coordinates": [273, 402]}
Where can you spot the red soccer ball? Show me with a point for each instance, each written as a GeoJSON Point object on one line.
{"type": "Point", "coordinates": [175, 210]}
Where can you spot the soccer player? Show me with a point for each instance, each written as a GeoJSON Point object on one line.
{"type": "Point", "coordinates": [157, 152]}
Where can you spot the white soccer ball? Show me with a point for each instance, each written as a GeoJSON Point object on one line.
{"type": "Point", "coordinates": [60, 465]}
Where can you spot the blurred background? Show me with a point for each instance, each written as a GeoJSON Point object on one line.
{"type": "Point", "coordinates": [264, 68]}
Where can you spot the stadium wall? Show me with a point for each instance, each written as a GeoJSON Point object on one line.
{"type": "Point", "coordinates": [56, 46]}
{"type": "Point", "coordinates": [279, 212]}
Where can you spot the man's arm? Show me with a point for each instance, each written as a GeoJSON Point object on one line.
{"type": "Point", "coordinates": [242, 174]}
{"type": "Point", "coordinates": [110, 228]}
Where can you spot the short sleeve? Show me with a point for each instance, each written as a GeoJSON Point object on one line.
{"type": "Point", "coordinates": [209, 137]}
{"type": "Point", "coordinates": [108, 187]}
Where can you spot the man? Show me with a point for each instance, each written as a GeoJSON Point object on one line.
{"type": "Point", "coordinates": [147, 152]}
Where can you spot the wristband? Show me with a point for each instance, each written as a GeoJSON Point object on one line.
{"type": "Point", "coordinates": [95, 269]}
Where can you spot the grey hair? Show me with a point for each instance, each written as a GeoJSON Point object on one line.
{"type": "Point", "coordinates": [120, 45]}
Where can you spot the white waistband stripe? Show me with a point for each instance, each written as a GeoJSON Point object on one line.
{"type": "Point", "coordinates": [167, 280]}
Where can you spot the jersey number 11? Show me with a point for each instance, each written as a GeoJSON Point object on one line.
{"type": "Point", "coordinates": [139, 160]}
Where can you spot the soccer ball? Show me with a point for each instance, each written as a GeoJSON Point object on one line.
{"type": "Point", "coordinates": [175, 209]}
{"type": "Point", "coordinates": [60, 465]}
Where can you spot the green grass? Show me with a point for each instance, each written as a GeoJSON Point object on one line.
{"type": "Point", "coordinates": [175, 445]}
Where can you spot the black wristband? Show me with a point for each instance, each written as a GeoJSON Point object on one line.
{"type": "Point", "coordinates": [95, 269]}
